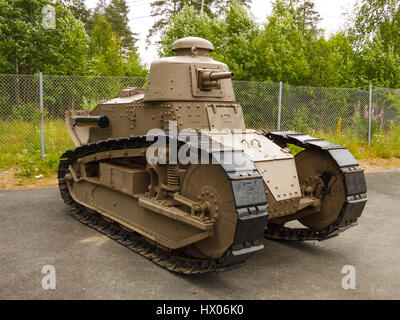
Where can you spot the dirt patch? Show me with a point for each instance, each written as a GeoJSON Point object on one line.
{"type": "Point", "coordinates": [380, 165]}
{"type": "Point", "coordinates": [10, 181]}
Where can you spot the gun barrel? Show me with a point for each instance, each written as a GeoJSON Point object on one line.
{"type": "Point", "coordinates": [216, 75]}
{"type": "Point", "coordinates": [92, 121]}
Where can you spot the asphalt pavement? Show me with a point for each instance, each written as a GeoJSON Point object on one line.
{"type": "Point", "coordinates": [37, 230]}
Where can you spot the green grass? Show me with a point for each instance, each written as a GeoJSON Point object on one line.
{"type": "Point", "coordinates": [384, 145]}
{"type": "Point", "coordinates": [20, 145]}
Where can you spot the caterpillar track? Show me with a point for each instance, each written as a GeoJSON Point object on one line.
{"type": "Point", "coordinates": [354, 181]}
{"type": "Point", "coordinates": [175, 260]}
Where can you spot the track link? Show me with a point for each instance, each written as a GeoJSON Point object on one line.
{"type": "Point", "coordinates": [355, 188]}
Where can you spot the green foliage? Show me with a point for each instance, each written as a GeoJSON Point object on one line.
{"type": "Point", "coordinates": [289, 47]}
{"type": "Point", "coordinates": [166, 10]}
{"type": "Point", "coordinates": [25, 112]}
{"type": "Point", "coordinates": [116, 14]}
{"type": "Point", "coordinates": [68, 48]}
{"type": "Point", "coordinates": [281, 52]}
{"type": "Point", "coordinates": [185, 24]}
{"type": "Point", "coordinates": [25, 154]}
{"type": "Point", "coordinates": [376, 38]}
{"type": "Point", "coordinates": [82, 43]}
{"type": "Point", "coordinates": [232, 36]}
{"type": "Point", "coordinates": [108, 59]}
{"type": "Point", "coordinates": [78, 9]}
{"type": "Point", "coordinates": [24, 149]}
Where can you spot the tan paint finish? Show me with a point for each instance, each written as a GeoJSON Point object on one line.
{"type": "Point", "coordinates": [126, 210]}
{"type": "Point", "coordinates": [281, 178]}
{"type": "Point", "coordinates": [127, 180]}
{"type": "Point", "coordinates": [169, 79]}
{"type": "Point", "coordinates": [275, 164]}
{"type": "Point", "coordinates": [211, 179]}
{"type": "Point", "coordinates": [176, 91]}
{"type": "Point", "coordinates": [79, 135]}
{"type": "Point", "coordinates": [225, 116]}
{"type": "Point", "coordinates": [112, 154]}
{"type": "Point", "coordinates": [190, 115]}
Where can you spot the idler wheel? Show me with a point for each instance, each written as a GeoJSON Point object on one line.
{"type": "Point", "coordinates": [209, 184]}
{"type": "Point", "coordinates": [320, 176]}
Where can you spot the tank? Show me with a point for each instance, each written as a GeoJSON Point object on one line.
{"type": "Point", "coordinates": [171, 171]}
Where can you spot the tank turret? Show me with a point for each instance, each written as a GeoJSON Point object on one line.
{"type": "Point", "coordinates": [190, 75]}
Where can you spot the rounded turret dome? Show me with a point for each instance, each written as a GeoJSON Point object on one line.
{"type": "Point", "coordinates": [192, 46]}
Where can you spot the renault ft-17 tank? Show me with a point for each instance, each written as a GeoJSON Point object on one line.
{"type": "Point", "coordinates": [171, 172]}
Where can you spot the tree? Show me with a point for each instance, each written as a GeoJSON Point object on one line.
{"type": "Point", "coordinates": [305, 17]}
{"type": "Point", "coordinates": [184, 24]}
{"type": "Point", "coordinates": [281, 51]}
{"type": "Point", "coordinates": [165, 10]}
{"type": "Point", "coordinates": [292, 49]}
{"type": "Point", "coordinates": [66, 52]}
{"type": "Point", "coordinates": [377, 16]}
{"type": "Point", "coordinates": [235, 41]}
{"type": "Point", "coordinates": [27, 47]}
{"type": "Point", "coordinates": [341, 62]}
{"type": "Point", "coordinates": [233, 36]}
{"type": "Point", "coordinates": [116, 14]}
{"type": "Point", "coordinates": [376, 37]}
{"type": "Point", "coordinates": [78, 9]}
{"type": "Point", "coordinates": [19, 28]}
{"type": "Point", "coordinates": [109, 58]}
{"type": "Point", "coordinates": [379, 64]}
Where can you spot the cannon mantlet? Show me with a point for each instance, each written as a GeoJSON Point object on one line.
{"type": "Point", "coordinates": [210, 79]}
{"type": "Point", "coordinates": [191, 75]}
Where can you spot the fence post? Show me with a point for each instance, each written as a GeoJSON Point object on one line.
{"type": "Point", "coordinates": [369, 114]}
{"type": "Point", "coordinates": [279, 105]}
{"type": "Point", "coordinates": [41, 113]}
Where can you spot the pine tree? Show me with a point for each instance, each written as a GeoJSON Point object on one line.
{"type": "Point", "coordinates": [78, 9]}
{"type": "Point", "coordinates": [116, 14]}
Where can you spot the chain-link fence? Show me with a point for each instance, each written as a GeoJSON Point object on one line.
{"type": "Point", "coordinates": [266, 105]}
